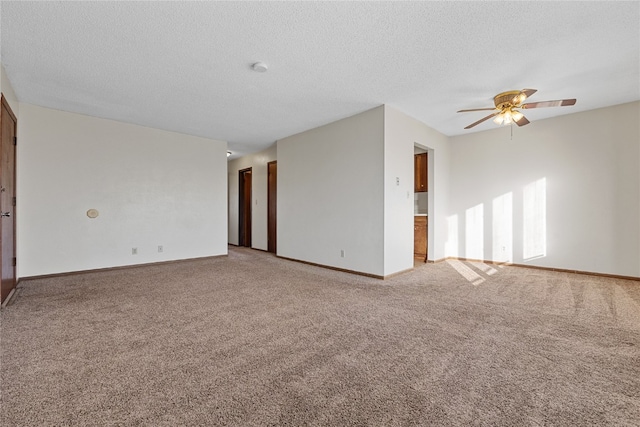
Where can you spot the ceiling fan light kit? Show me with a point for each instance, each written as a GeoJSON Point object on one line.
{"type": "Point", "coordinates": [508, 116]}
{"type": "Point", "coordinates": [506, 107]}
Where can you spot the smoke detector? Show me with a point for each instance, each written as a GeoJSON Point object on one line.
{"type": "Point", "coordinates": [260, 67]}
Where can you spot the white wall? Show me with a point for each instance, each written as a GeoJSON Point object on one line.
{"type": "Point", "coordinates": [564, 193]}
{"type": "Point", "coordinates": [151, 188]}
{"type": "Point", "coordinates": [7, 90]}
{"type": "Point", "coordinates": [258, 164]}
{"type": "Point", "coordinates": [398, 192]}
{"type": "Point", "coordinates": [402, 132]}
{"type": "Point", "coordinates": [331, 194]}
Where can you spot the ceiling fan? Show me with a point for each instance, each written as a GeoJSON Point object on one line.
{"type": "Point", "coordinates": [507, 103]}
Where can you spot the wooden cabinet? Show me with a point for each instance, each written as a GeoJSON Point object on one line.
{"type": "Point", "coordinates": [420, 173]}
{"type": "Point", "coordinates": [420, 237]}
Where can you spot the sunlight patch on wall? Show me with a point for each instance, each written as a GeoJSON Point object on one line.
{"type": "Point", "coordinates": [466, 272]}
{"type": "Point", "coordinates": [451, 245]}
{"type": "Point", "coordinates": [474, 232]}
{"type": "Point", "coordinates": [503, 228]}
{"type": "Point", "coordinates": [534, 234]}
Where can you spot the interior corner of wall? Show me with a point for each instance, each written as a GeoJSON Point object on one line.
{"type": "Point", "coordinates": [7, 90]}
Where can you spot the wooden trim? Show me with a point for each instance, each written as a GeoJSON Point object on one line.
{"type": "Point", "coordinates": [272, 207]}
{"type": "Point", "coordinates": [120, 267]}
{"type": "Point", "coordinates": [255, 249]}
{"type": "Point", "coordinates": [328, 267]}
{"type": "Point", "coordinates": [537, 267]}
{"type": "Point", "coordinates": [398, 273]}
{"type": "Point", "coordinates": [344, 270]}
{"type": "Point", "coordinates": [7, 300]}
{"type": "Point", "coordinates": [245, 207]}
{"type": "Point", "coordinates": [8, 107]}
{"type": "Point", "coordinates": [587, 273]}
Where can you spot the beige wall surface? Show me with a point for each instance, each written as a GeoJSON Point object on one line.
{"type": "Point", "coordinates": [562, 193]}
{"type": "Point", "coordinates": [331, 196]}
{"type": "Point", "coordinates": [402, 134]}
{"type": "Point", "coordinates": [151, 188]}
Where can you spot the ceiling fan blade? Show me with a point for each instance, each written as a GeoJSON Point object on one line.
{"type": "Point", "coordinates": [523, 121]}
{"type": "Point", "coordinates": [477, 109]}
{"type": "Point", "coordinates": [543, 104]}
{"type": "Point", "coordinates": [529, 92]}
{"type": "Point", "coordinates": [482, 120]}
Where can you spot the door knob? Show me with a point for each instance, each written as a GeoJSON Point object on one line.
{"type": "Point", "coordinates": [5, 214]}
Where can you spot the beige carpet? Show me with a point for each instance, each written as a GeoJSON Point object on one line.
{"type": "Point", "coordinates": [253, 340]}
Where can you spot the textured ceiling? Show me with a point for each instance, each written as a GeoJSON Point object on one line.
{"type": "Point", "coordinates": [185, 66]}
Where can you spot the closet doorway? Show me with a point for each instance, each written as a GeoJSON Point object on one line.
{"type": "Point", "coordinates": [244, 226]}
{"type": "Point", "coordinates": [7, 200]}
{"type": "Point", "coordinates": [272, 203]}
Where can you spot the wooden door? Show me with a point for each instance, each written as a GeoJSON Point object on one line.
{"type": "Point", "coordinates": [7, 200]}
{"type": "Point", "coordinates": [272, 203]}
{"type": "Point", "coordinates": [244, 226]}
{"type": "Point", "coordinates": [420, 237]}
{"type": "Point", "coordinates": [420, 171]}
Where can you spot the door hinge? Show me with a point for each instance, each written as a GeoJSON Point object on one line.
{"type": "Point", "coordinates": [13, 201]}
{"type": "Point", "coordinates": [14, 261]}
{"type": "Point", "coordinates": [15, 140]}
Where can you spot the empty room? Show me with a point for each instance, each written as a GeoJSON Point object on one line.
{"type": "Point", "coordinates": [320, 213]}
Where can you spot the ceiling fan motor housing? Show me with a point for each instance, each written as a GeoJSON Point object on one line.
{"type": "Point", "coordinates": [505, 99]}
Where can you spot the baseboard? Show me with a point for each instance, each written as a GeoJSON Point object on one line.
{"type": "Point", "coordinates": [120, 267]}
{"type": "Point", "coordinates": [255, 249]}
{"type": "Point", "coordinates": [7, 300]}
{"type": "Point", "coordinates": [344, 270]}
{"type": "Point", "coordinates": [329, 267]}
{"type": "Point", "coordinates": [560, 270]}
{"type": "Point", "coordinates": [397, 273]}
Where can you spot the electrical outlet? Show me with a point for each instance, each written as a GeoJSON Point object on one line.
{"type": "Point", "coordinates": [160, 249]}
{"type": "Point", "coordinates": [342, 254]}
{"type": "Point", "coordinates": [134, 251]}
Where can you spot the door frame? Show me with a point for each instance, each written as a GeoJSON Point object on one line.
{"type": "Point", "coordinates": [430, 152]}
{"type": "Point", "coordinates": [5, 104]}
{"type": "Point", "coordinates": [244, 206]}
{"type": "Point", "coordinates": [272, 206]}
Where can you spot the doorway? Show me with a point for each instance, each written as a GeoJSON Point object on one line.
{"type": "Point", "coordinates": [244, 226]}
{"type": "Point", "coordinates": [272, 205]}
{"type": "Point", "coordinates": [423, 201]}
{"type": "Point", "coordinates": [8, 123]}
